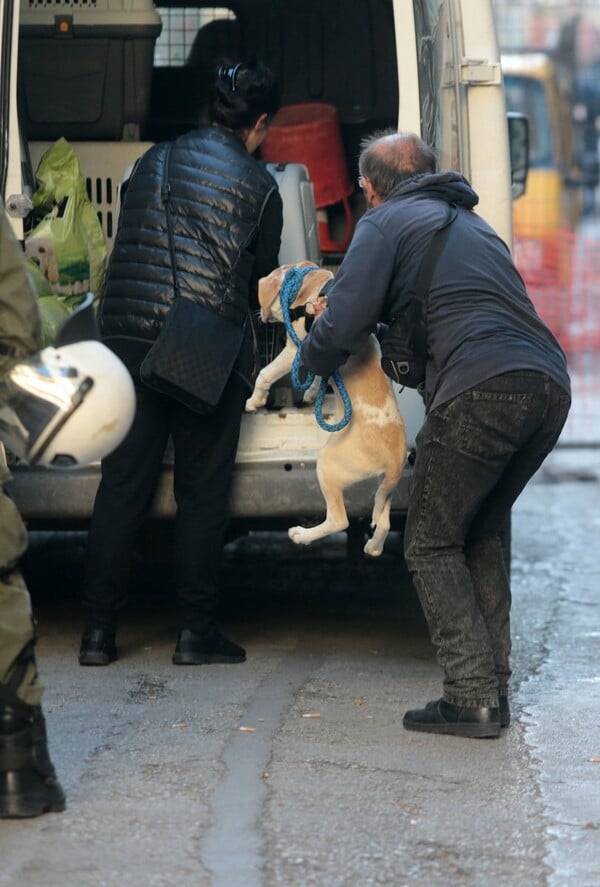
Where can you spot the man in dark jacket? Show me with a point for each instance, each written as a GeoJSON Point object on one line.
{"type": "Point", "coordinates": [225, 219]}
{"type": "Point", "coordinates": [497, 394]}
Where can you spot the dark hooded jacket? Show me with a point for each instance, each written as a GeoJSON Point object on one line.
{"type": "Point", "coordinates": [480, 320]}
{"type": "Point", "coordinates": [217, 195]}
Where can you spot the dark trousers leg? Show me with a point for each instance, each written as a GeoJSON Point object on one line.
{"type": "Point", "coordinates": [205, 450]}
{"type": "Point", "coordinates": [129, 477]}
{"type": "Point", "coordinates": [474, 457]}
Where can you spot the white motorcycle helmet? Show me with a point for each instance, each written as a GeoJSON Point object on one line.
{"type": "Point", "coordinates": [69, 405]}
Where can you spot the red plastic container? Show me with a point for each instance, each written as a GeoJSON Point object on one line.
{"type": "Point", "coordinates": [310, 134]}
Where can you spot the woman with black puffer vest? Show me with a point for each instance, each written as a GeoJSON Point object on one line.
{"type": "Point", "coordinates": [221, 233]}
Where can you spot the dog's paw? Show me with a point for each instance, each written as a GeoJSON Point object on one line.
{"type": "Point", "coordinates": [299, 535]}
{"type": "Point", "coordinates": [254, 403]}
{"type": "Point", "coordinates": [373, 548]}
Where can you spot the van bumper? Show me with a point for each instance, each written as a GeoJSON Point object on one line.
{"type": "Point", "coordinates": [264, 492]}
{"type": "Point", "coordinates": [274, 481]}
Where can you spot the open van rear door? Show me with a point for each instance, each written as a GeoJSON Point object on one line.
{"type": "Point", "coordinates": [10, 152]}
{"type": "Point", "coordinates": [451, 93]}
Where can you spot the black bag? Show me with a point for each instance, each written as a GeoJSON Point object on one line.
{"type": "Point", "coordinates": [193, 357]}
{"type": "Point", "coordinates": [404, 346]}
{"type": "Point", "coordinates": [196, 349]}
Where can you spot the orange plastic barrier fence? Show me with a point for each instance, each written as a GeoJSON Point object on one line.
{"type": "Point", "coordinates": [563, 281]}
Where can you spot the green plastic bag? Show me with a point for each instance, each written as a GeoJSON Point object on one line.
{"type": "Point", "coordinates": [54, 310]}
{"type": "Point", "coordinates": [66, 243]}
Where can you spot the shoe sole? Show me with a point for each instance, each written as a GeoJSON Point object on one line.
{"type": "Point", "coordinates": [26, 806]}
{"type": "Point", "coordinates": [207, 659]}
{"type": "Point", "coordinates": [467, 731]}
{"type": "Point", "coordinates": [96, 659]}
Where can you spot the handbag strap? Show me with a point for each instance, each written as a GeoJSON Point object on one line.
{"type": "Point", "coordinates": [432, 254]}
{"type": "Point", "coordinates": [165, 194]}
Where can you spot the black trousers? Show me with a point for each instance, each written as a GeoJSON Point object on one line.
{"type": "Point", "coordinates": [204, 456]}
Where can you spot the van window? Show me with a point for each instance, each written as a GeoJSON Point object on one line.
{"type": "Point", "coordinates": [436, 54]}
{"type": "Point", "coordinates": [191, 33]}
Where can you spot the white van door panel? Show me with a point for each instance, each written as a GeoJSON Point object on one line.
{"type": "Point", "coordinates": [10, 153]}
{"type": "Point", "coordinates": [488, 154]}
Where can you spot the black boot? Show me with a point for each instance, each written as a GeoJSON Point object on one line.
{"type": "Point", "coordinates": [206, 648]}
{"type": "Point", "coordinates": [98, 647]}
{"type": "Point", "coordinates": [28, 784]}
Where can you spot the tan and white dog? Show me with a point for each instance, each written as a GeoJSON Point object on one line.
{"type": "Point", "coordinates": [374, 441]}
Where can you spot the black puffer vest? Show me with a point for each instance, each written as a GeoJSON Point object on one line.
{"type": "Point", "coordinates": [216, 192]}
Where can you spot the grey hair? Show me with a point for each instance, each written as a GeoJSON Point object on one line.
{"type": "Point", "coordinates": [388, 157]}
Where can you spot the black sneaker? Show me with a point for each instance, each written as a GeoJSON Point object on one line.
{"type": "Point", "coordinates": [444, 717]}
{"type": "Point", "coordinates": [206, 648]}
{"type": "Point", "coordinates": [97, 647]}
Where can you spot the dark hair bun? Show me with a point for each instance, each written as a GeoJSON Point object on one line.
{"type": "Point", "coordinates": [243, 92]}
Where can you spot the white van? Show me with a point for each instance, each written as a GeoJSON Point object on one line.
{"type": "Point", "coordinates": [113, 76]}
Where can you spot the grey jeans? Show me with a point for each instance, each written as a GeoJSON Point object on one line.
{"type": "Point", "coordinates": [475, 455]}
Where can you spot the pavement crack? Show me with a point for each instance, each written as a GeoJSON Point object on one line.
{"type": "Point", "coordinates": [233, 848]}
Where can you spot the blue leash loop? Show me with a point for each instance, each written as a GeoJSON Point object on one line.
{"type": "Point", "coordinates": [289, 290]}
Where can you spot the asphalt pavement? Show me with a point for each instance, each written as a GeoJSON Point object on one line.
{"type": "Point", "coordinates": [294, 768]}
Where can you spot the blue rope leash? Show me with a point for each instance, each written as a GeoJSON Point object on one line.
{"type": "Point", "coordinates": [289, 290]}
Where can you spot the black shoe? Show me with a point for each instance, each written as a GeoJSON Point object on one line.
{"type": "Point", "coordinates": [28, 784]}
{"type": "Point", "coordinates": [206, 648]}
{"type": "Point", "coordinates": [97, 647]}
{"type": "Point", "coordinates": [503, 709]}
{"type": "Point", "coordinates": [444, 717]}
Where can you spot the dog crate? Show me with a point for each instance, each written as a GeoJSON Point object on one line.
{"type": "Point", "coordinates": [299, 238]}
{"type": "Point", "coordinates": [86, 67]}
{"type": "Point", "coordinates": [103, 165]}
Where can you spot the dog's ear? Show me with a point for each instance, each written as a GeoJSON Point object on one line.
{"type": "Point", "coordinates": [270, 286]}
{"type": "Point", "coordinates": [268, 289]}
{"type": "Point", "coordinates": [312, 285]}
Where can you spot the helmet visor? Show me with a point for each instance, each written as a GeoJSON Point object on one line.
{"type": "Point", "coordinates": [43, 392]}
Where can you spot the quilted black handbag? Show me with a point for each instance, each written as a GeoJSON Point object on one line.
{"type": "Point", "coordinates": [194, 354]}
{"type": "Point", "coordinates": [193, 357]}
{"type": "Point", "coordinates": [404, 346]}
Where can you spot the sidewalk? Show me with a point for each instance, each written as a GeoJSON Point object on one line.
{"type": "Point", "coordinates": [583, 424]}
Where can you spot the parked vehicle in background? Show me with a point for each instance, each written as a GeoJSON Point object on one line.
{"type": "Point", "coordinates": [545, 218]}
{"type": "Point", "coordinates": [113, 77]}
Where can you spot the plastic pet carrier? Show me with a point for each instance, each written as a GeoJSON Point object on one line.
{"type": "Point", "coordinates": [85, 67]}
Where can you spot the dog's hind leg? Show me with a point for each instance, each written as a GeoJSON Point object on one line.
{"type": "Point", "coordinates": [380, 520]}
{"type": "Point", "coordinates": [332, 485]}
